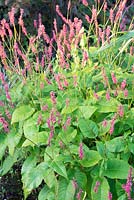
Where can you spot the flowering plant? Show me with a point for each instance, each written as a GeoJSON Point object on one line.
{"type": "Point", "coordinates": [69, 107]}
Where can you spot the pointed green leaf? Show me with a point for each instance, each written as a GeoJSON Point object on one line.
{"type": "Point", "coordinates": [108, 106]}
{"type": "Point", "coordinates": [90, 159]}
{"type": "Point", "coordinates": [67, 135]}
{"type": "Point", "coordinates": [59, 168]}
{"type": "Point", "coordinates": [88, 128]}
{"type": "Point", "coordinates": [8, 163]}
{"type": "Point", "coordinates": [116, 168]}
{"type": "Point", "coordinates": [81, 179]}
{"type": "Point", "coordinates": [69, 109]}
{"type": "Point", "coordinates": [115, 145]}
{"type": "Point", "coordinates": [87, 111]}
{"type": "Point", "coordinates": [103, 189]}
{"type": "Point", "coordinates": [22, 113]}
{"type": "Point", "coordinates": [31, 133]}
{"type": "Point", "coordinates": [13, 139]}
{"type": "Point", "coordinates": [32, 178]}
{"type": "Point", "coordinates": [3, 145]}
{"type": "Point", "coordinates": [66, 190]}
{"type": "Point", "coordinates": [46, 194]}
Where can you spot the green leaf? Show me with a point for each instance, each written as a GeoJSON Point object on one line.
{"type": "Point", "coordinates": [31, 133]}
{"type": "Point", "coordinates": [87, 111]}
{"type": "Point", "coordinates": [59, 168]}
{"type": "Point", "coordinates": [22, 113]}
{"type": "Point", "coordinates": [51, 153]}
{"type": "Point", "coordinates": [88, 128]}
{"type": "Point", "coordinates": [103, 130]}
{"type": "Point", "coordinates": [116, 168]}
{"type": "Point", "coordinates": [8, 163]}
{"type": "Point", "coordinates": [118, 187]}
{"type": "Point", "coordinates": [103, 189]}
{"type": "Point", "coordinates": [123, 197]}
{"type": "Point", "coordinates": [32, 178]}
{"type": "Point", "coordinates": [3, 145]}
{"type": "Point", "coordinates": [101, 149]}
{"type": "Point", "coordinates": [49, 178]}
{"type": "Point", "coordinates": [81, 179]}
{"type": "Point", "coordinates": [90, 159]}
{"type": "Point", "coordinates": [131, 147]}
{"type": "Point", "coordinates": [28, 164]}
{"type": "Point", "coordinates": [13, 139]}
{"type": "Point", "coordinates": [108, 106]}
{"type": "Point", "coordinates": [37, 138]}
{"type": "Point", "coordinates": [115, 145]}
{"type": "Point", "coordinates": [30, 126]}
{"type": "Point", "coordinates": [69, 109]}
{"type": "Point", "coordinates": [67, 135]}
{"type": "Point", "coordinates": [46, 194]}
{"type": "Point", "coordinates": [66, 190]}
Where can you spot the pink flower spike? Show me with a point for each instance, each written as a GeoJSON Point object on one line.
{"type": "Point", "coordinates": [67, 102]}
{"type": "Point", "coordinates": [88, 19]}
{"type": "Point", "coordinates": [41, 85]}
{"type": "Point", "coordinates": [61, 144]}
{"type": "Point", "coordinates": [81, 153]}
{"type": "Point", "coordinates": [116, 93]}
{"type": "Point", "coordinates": [104, 123]}
{"type": "Point", "coordinates": [9, 116]}
{"type": "Point", "coordinates": [112, 124]}
{"type": "Point", "coordinates": [125, 93]}
{"type": "Point", "coordinates": [50, 138]}
{"type": "Point", "coordinates": [105, 7]}
{"type": "Point", "coordinates": [128, 186]}
{"type": "Point", "coordinates": [113, 78]}
{"type": "Point", "coordinates": [78, 196]}
{"type": "Point", "coordinates": [11, 15]}
{"type": "Point", "coordinates": [133, 69]}
{"type": "Point", "coordinates": [107, 96]}
{"type": "Point", "coordinates": [44, 108]}
{"type": "Point", "coordinates": [75, 81]}
{"type": "Point", "coordinates": [53, 99]}
{"type": "Point", "coordinates": [35, 23]}
{"type": "Point", "coordinates": [96, 95]}
{"type": "Point", "coordinates": [96, 186]}
{"type": "Point", "coordinates": [123, 84]}
{"type": "Point", "coordinates": [111, 17]}
{"type": "Point", "coordinates": [121, 111]}
{"type": "Point", "coordinates": [85, 3]}
{"type": "Point", "coordinates": [39, 119]}
{"type": "Point", "coordinates": [67, 123]}
{"type": "Point", "coordinates": [109, 196]}
{"type": "Point", "coordinates": [69, 5]}
{"type": "Point", "coordinates": [2, 104]}
{"type": "Point", "coordinates": [75, 184]}
{"type": "Point", "coordinates": [4, 124]}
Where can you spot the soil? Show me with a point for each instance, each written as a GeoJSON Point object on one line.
{"type": "Point", "coordinates": [11, 186]}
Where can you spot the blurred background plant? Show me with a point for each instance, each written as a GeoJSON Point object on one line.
{"type": "Point", "coordinates": [47, 9]}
